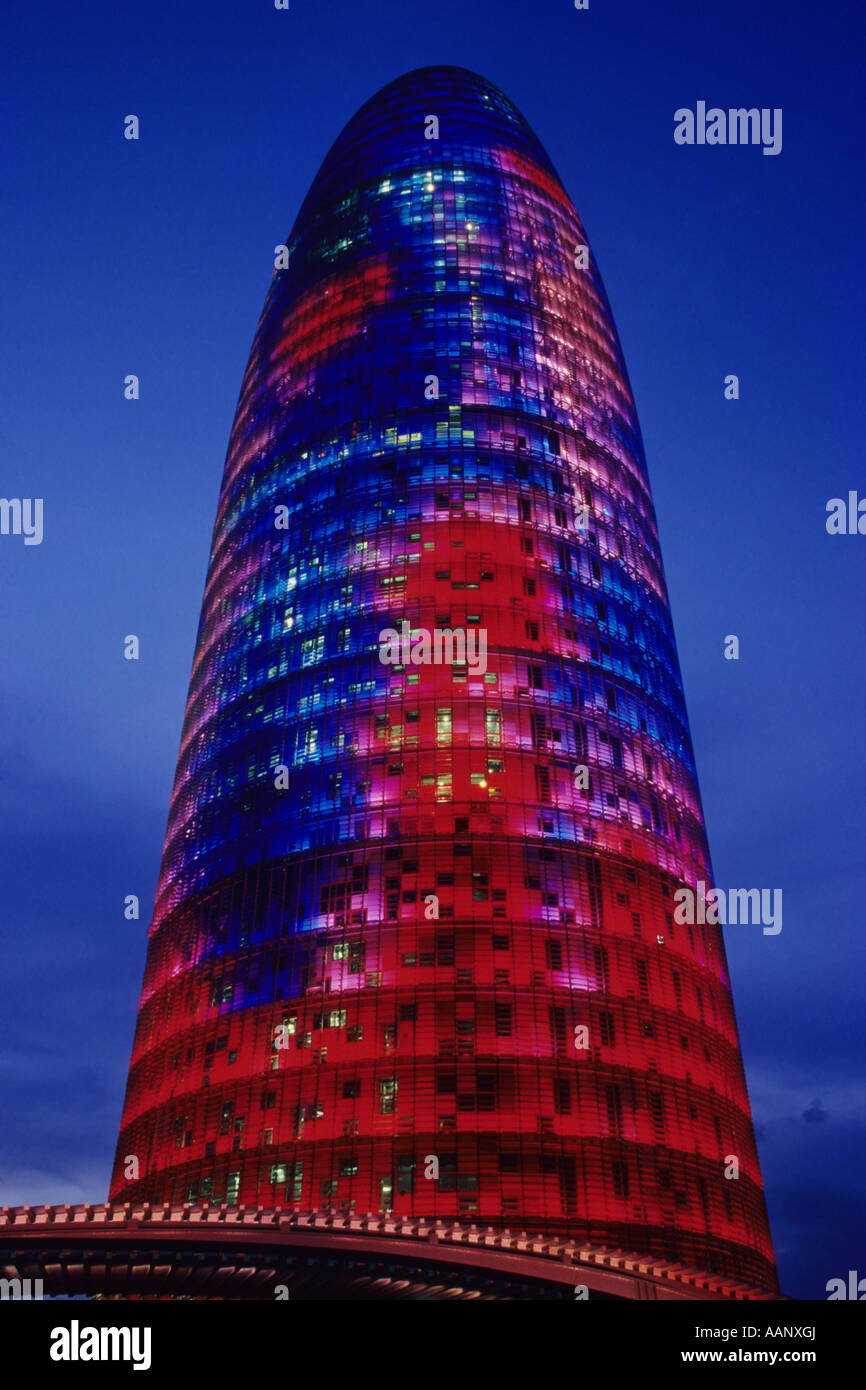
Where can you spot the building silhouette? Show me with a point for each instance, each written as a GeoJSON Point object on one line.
{"type": "Point", "coordinates": [414, 951]}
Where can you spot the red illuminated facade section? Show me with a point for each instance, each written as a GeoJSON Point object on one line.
{"type": "Point", "coordinates": [413, 949]}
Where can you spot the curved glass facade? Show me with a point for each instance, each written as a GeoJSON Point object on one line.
{"type": "Point", "coordinates": [414, 946]}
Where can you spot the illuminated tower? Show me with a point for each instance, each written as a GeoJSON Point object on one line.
{"type": "Point", "coordinates": [414, 947]}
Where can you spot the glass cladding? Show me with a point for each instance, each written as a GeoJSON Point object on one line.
{"type": "Point", "coordinates": [414, 947]}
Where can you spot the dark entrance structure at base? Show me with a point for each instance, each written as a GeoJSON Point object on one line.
{"type": "Point", "coordinates": [130, 1250]}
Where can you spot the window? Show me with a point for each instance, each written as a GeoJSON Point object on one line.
{"type": "Point", "coordinates": [542, 783]}
{"type": "Point", "coordinates": [607, 1029]}
{"type": "Point", "coordinates": [642, 978]}
{"type": "Point", "coordinates": [657, 1111]}
{"type": "Point", "coordinates": [619, 1174]}
{"type": "Point", "coordinates": [405, 1175]}
{"type": "Point", "coordinates": [387, 1095]}
{"type": "Point", "coordinates": [503, 1019]}
{"type": "Point", "coordinates": [613, 1100]}
{"type": "Point", "coordinates": [601, 967]}
{"type": "Point", "coordinates": [553, 954]}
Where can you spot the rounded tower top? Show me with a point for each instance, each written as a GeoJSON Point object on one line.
{"type": "Point", "coordinates": [461, 100]}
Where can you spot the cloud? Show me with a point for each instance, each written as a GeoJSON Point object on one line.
{"type": "Point", "coordinates": [816, 1114]}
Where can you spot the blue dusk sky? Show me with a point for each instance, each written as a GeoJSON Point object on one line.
{"type": "Point", "coordinates": [154, 258]}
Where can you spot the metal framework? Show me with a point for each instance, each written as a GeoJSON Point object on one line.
{"type": "Point", "coordinates": [130, 1250]}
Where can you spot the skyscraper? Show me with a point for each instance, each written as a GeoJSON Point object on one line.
{"type": "Point", "coordinates": [414, 947]}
